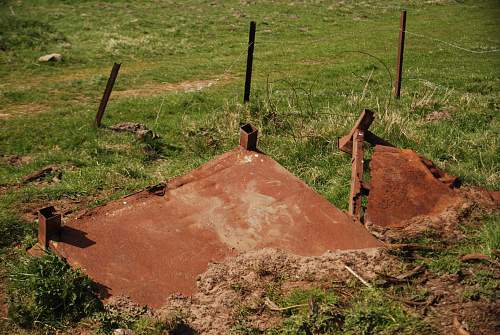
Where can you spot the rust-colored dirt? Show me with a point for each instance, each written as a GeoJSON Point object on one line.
{"type": "Point", "coordinates": [404, 185]}
{"type": "Point", "coordinates": [148, 246]}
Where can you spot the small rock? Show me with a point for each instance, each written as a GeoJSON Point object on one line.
{"type": "Point", "coordinates": [51, 58]}
{"type": "Point", "coordinates": [122, 331]}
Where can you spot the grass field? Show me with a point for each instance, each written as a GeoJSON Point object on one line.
{"type": "Point", "coordinates": [317, 65]}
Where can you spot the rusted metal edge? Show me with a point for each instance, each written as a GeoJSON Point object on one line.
{"type": "Point", "coordinates": [356, 194]}
{"type": "Point", "coordinates": [352, 143]}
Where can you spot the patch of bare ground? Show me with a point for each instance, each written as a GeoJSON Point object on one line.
{"type": "Point", "coordinates": [437, 115]}
{"type": "Point", "coordinates": [318, 61]}
{"type": "Point", "coordinates": [9, 111]}
{"type": "Point", "coordinates": [69, 208]}
{"type": "Point", "coordinates": [69, 74]}
{"type": "Point", "coordinates": [184, 86]}
{"type": "Point", "coordinates": [244, 283]}
{"type": "Point", "coordinates": [16, 160]}
{"type": "Point", "coordinates": [480, 317]}
{"type": "Point", "coordinates": [3, 302]}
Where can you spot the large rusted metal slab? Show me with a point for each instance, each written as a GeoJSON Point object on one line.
{"type": "Point", "coordinates": [405, 185]}
{"type": "Point", "coordinates": [148, 246]}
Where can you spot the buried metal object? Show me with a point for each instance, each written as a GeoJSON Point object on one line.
{"type": "Point", "coordinates": [157, 242]}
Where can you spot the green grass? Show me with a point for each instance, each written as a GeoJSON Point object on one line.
{"type": "Point", "coordinates": [374, 313]}
{"type": "Point", "coordinates": [316, 66]}
{"type": "Point", "coordinates": [367, 312]}
{"type": "Point", "coordinates": [45, 292]}
{"type": "Point", "coordinates": [322, 319]}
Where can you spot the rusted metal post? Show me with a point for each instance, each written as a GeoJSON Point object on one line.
{"type": "Point", "coordinates": [248, 78]}
{"type": "Point", "coordinates": [401, 47]}
{"type": "Point", "coordinates": [356, 175]}
{"type": "Point", "coordinates": [248, 137]}
{"type": "Point", "coordinates": [49, 226]}
{"type": "Point", "coordinates": [107, 93]}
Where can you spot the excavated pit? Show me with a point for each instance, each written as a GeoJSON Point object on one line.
{"type": "Point", "coordinates": [149, 246]}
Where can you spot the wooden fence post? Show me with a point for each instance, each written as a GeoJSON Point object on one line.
{"type": "Point", "coordinates": [107, 93]}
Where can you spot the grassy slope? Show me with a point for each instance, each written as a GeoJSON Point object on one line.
{"type": "Point", "coordinates": [310, 83]}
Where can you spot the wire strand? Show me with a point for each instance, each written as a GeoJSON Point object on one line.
{"type": "Point", "coordinates": [452, 44]}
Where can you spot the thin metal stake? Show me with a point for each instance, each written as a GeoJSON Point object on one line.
{"type": "Point", "coordinates": [107, 93]}
{"type": "Point", "coordinates": [248, 78]}
{"type": "Point", "coordinates": [401, 47]}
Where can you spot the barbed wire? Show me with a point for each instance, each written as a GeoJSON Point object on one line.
{"type": "Point", "coordinates": [283, 49]}
{"type": "Point", "coordinates": [452, 44]}
{"type": "Point", "coordinates": [395, 31]}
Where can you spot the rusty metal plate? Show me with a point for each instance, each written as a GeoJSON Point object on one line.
{"type": "Point", "coordinates": [405, 185]}
{"type": "Point", "coordinates": [148, 246]}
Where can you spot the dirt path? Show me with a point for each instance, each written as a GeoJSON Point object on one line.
{"type": "Point", "coordinates": [183, 86]}
{"type": "Point", "coordinates": [148, 89]}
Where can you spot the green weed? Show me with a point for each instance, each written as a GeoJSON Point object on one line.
{"type": "Point", "coordinates": [46, 292]}
{"type": "Point", "coordinates": [490, 235]}
{"type": "Point", "coordinates": [18, 33]}
{"type": "Point", "coordinates": [483, 284]}
{"type": "Point", "coordinates": [445, 263]}
{"type": "Point", "coordinates": [14, 230]}
{"type": "Point", "coordinates": [374, 313]}
{"type": "Point", "coordinates": [320, 315]}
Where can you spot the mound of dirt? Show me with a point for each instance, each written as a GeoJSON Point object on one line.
{"type": "Point", "coordinates": [243, 282]}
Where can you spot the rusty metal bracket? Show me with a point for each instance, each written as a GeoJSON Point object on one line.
{"type": "Point", "coordinates": [356, 175]}
{"type": "Point", "coordinates": [352, 143]}
{"type": "Point", "coordinates": [248, 137]}
{"type": "Point", "coordinates": [345, 143]}
{"type": "Point", "coordinates": [49, 226]}
{"type": "Point", "coordinates": [364, 121]}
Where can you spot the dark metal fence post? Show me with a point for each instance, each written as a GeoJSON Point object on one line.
{"type": "Point", "coordinates": [107, 93]}
{"type": "Point", "coordinates": [248, 78]}
{"type": "Point", "coordinates": [401, 47]}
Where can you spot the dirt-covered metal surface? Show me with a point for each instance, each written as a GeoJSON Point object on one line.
{"type": "Point", "coordinates": [405, 186]}
{"type": "Point", "coordinates": [148, 246]}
